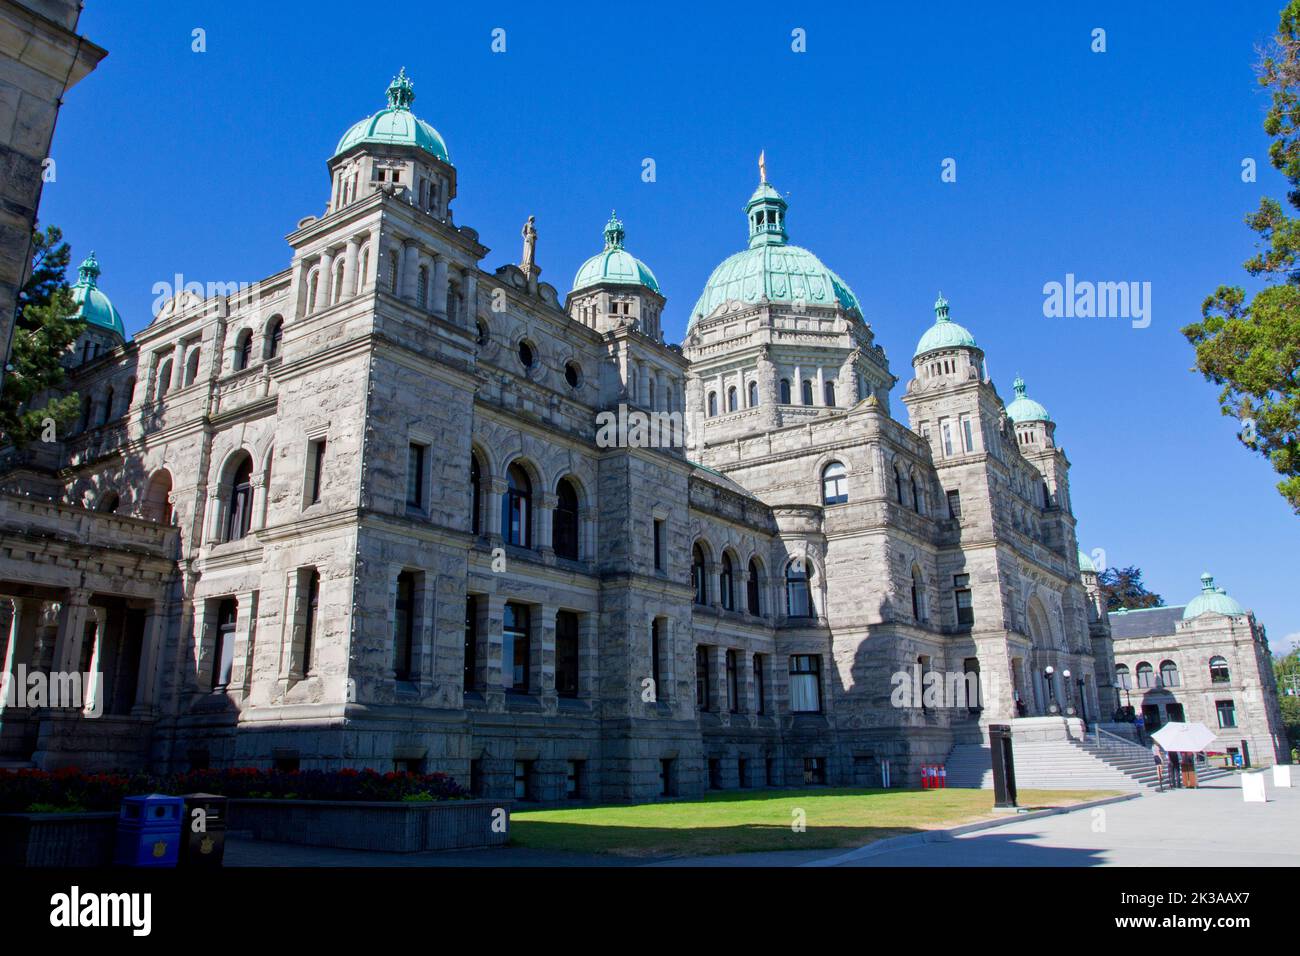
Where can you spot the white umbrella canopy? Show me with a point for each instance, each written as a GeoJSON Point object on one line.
{"type": "Point", "coordinates": [1184, 738]}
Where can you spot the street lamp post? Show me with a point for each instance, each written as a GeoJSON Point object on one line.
{"type": "Point", "coordinates": [1048, 671]}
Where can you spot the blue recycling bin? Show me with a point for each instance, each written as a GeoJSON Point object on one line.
{"type": "Point", "coordinates": [149, 831]}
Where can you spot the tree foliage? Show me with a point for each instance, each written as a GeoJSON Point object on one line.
{"type": "Point", "coordinates": [1123, 587]}
{"type": "Point", "coordinates": [1250, 348]}
{"type": "Point", "coordinates": [44, 328]}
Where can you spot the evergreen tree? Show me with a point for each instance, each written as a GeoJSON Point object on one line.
{"type": "Point", "coordinates": [45, 326]}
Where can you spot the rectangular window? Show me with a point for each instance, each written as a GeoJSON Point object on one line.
{"type": "Point", "coordinates": [404, 628]}
{"type": "Point", "coordinates": [514, 649]}
{"type": "Point", "coordinates": [523, 780]}
{"type": "Point", "coordinates": [415, 475]}
{"type": "Point", "coordinates": [760, 684]}
{"type": "Point", "coordinates": [715, 773]}
{"type": "Point", "coordinates": [962, 598]}
{"type": "Point", "coordinates": [656, 659]}
{"type": "Point", "coordinates": [223, 660]}
{"type": "Point", "coordinates": [945, 429]}
{"type": "Point", "coordinates": [702, 677]}
{"type": "Point", "coordinates": [805, 684]}
{"type": "Point", "coordinates": [1227, 713]}
{"type": "Point", "coordinates": [566, 654]}
{"type": "Point", "coordinates": [814, 771]}
{"type": "Point", "coordinates": [476, 778]}
{"type": "Point", "coordinates": [312, 604]}
{"type": "Point", "coordinates": [742, 771]}
{"type": "Point", "coordinates": [967, 434]}
{"type": "Point", "coordinates": [667, 777]}
{"type": "Point", "coordinates": [954, 504]}
{"type": "Point", "coordinates": [659, 545]}
{"type": "Point", "coordinates": [575, 787]}
{"type": "Point", "coordinates": [315, 469]}
{"type": "Point", "coordinates": [471, 643]}
{"type": "Point", "coordinates": [733, 683]}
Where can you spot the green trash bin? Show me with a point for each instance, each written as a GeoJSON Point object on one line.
{"type": "Point", "coordinates": [203, 830]}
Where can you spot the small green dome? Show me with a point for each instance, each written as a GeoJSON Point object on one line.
{"type": "Point", "coordinates": [615, 264]}
{"type": "Point", "coordinates": [1085, 563]}
{"type": "Point", "coordinates": [944, 334]}
{"type": "Point", "coordinates": [93, 305]}
{"type": "Point", "coordinates": [1025, 409]}
{"type": "Point", "coordinates": [396, 125]}
{"type": "Point", "coordinates": [1211, 600]}
{"type": "Point", "coordinates": [771, 269]}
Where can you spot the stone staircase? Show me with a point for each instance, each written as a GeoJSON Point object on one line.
{"type": "Point", "coordinates": [1065, 763]}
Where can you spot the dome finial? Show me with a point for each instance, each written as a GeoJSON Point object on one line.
{"type": "Point", "coordinates": [401, 92]}
{"type": "Point", "coordinates": [762, 165]}
{"type": "Point", "coordinates": [941, 309]}
{"type": "Point", "coordinates": [88, 271]}
{"type": "Point", "coordinates": [1018, 386]}
{"type": "Point", "coordinates": [1207, 582]}
{"type": "Point", "coordinates": [614, 232]}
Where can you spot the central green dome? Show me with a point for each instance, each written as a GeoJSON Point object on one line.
{"type": "Point", "coordinates": [771, 269]}
{"type": "Point", "coordinates": [615, 264]}
{"type": "Point", "coordinates": [93, 305]}
{"type": "Point", "coordinates": [396, 125]}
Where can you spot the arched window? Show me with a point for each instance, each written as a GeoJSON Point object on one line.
{"type": "Point", "coordinates": [392, 272]}
{"type": "Point", "coordinates": [1145, 675]}
{"type": "Point", "coordinates": [731, 399]}
{"type": "Point", "coordinates": [898, 485]}
{"type": "Point", "coordinates": [650, 387]}
{"type": "Point", "coordinates": [274, 338]}
{"type": "Point", "coordinates": [835, 484]}
{"type": "Point", "coordinates": [828, 392]}
{"type": "Point", "coordinates": [422, 288]}
{"type": "Point", "coordinates": [1122, 677]}
{"type": "Point", "coordinates": [1219, 671]}
{"type": "Point", "coordinates": [698, 576]}
{"type": "Point", "coordinates": [312, 283]}
{"type": "Point", "coordinates": [336, 294]}
{"type": "Point", "coordinates": [565, 520]}
{"type": "Point", "coordinates": [516, 508]}
{"type": "Point", "coordinates": [918, 595]}
{"type": "Point", "coordinates": [785, 391]}
{"type": "Point", "coordinates": [243, 350]}
{"type": "Point", "coordinates": [807, 391]}
{"type": "Point", "coordinates": [363, 270]}
{"type": "Point", "coordinates": [87, 411]}
{"type": "Point", "coordinates": [725, 583]}
{"type": "Point", "coordinates": [309, 624]}
{"type": "Point", "coordinates": [751, 589]}
{"type": "Point", "coordinates": [475, 495]}
{"type": "Point", "coordinates": [1168, 674]}
{"type": "Point", "coordinates": [797, 602]}
{"type": "Point", "coordinates": [157, 503]}
{"type": "Point", "coordinates": [916, 496]}
{"type": "Point", "coordinates": [239, 499]}
{"type": "Point", "coordinates": [106, 414]}
{"type": "Point", "coordinates": [713, 404]}
{"type": "Point", "coordinates": [753, 394]}
{"type": "Point", "coordinates": [108, 503]}
{"type": "Point", "coordinates": [164, 378]}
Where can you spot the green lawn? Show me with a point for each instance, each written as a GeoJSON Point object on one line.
{"type": "Point", "coordinates": [749, 821]}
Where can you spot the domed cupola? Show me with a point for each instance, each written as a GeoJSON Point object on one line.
{"type": "Point", "coordinates": [947, 353]}
{"type": "Point", "coordinates": [614, 287]}
{"type": "Point", "coordinates": [772, 270]}
{"type": "Point", "coordinates": [1023, 408]}
{"type": "Point", "coordinates": [944, 334]}
{"type": "Point", "coordinates": [1033, 427]}
{"type": "Point", "coordinates": [1211, 600]}
{"type": "Point", "coordinates": [396, 125]}
{"type": "Point", "coordinates": [104, 329]}
{"type": "Point", "coordinates": [394, 152]}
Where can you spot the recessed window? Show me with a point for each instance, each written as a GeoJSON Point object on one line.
{"type": "Point", "coordinates": [515, 649]}
{"type": "Point", "coordinates": [471, 643]}
{"type": "Point", "coordinates": [814, 771]}
{"type": "Point", "coordinates": [807, 391]}
{"type": "Point", "coordinates": [1145, 675]}
{"type": "Point", "coordinates": [523, 780]}
{"type": "Point", "coordinates": [1168, 674]}
{"type": "Point", "coordinates": [315, 470]}
{"type": "Point", "coordinates": [576, 783]}
{"type": "Point", "coordinates": [564, 521]}
{"type": "Point", "coordinates": [698, 576]}
{"type": "Point", "coordinates": [239, 500]}
{"type": "Point", "coordinates": [415, 455]}
{"type": "Point", "coordinates": [805, 684]}
{"type": "Point", "coordinates": [526, 355]}
{"type": "Point", "coordinates": [752, 603]}
{"type": "Point", "coordinates": [954, 504]}
{"type": "Point", "coordinates": [760, 684]}
{"type": "Point", "coordinates": [733, 682]}
{"type": "Point", "coordinates": [224, 657]}
{"type": "Point", "coordinates": [1227, 713]}
{"type": "Point", "coordinates": [482, 332]}
{"type": "Point", "coordinates": [835, 484]}
{"type": "Point", "coordinates": [726, 580]}
{"type": "Point", "coordinates": [516, 508]}
{"type": "Point", "coordinates": [713, 404]}
{"type": "Point", "coordinates": [311, 605]}
{"type": "Point", "coordinates": [1219, 671]}
{"type": "Point", "coordinates": [404, 615]}
{"type": "Point", "coordinates": [659, 544]}
{"type": "Point", "coordinates": [797, 598]}
{"type": "Point", "coordinates": [566, 654]}
{"type": "Point", "coordinates": [785, 391]}
{"type": "Point", "coordinates": [572, 374]}
{"type": "Point", "coordinates": [702, 678]}
{"type": "Point", "coordinates": [962, 598]}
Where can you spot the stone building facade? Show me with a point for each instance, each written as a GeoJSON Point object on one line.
{"type": "Point", "coordinates": [1207, 662]}
{"type": "Point", "coordinates": [398, 535]}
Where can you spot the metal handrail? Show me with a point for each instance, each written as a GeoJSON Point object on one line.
{"type": "Point", "coordinates": [1105, 740]}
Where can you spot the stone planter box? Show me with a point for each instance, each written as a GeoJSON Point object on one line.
{"type": "Point", "coordinates": [388, 827]}
{"type": "Point", "coordinates": [57, 839]}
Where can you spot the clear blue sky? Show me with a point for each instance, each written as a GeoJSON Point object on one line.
{"type": "Point", "coordinates": [1124, 165]}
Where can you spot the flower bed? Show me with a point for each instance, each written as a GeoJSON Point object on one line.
{"type": "Point", "coordinates": [38, 791]}
{"type": "Point", "coordinates": [407, 827]}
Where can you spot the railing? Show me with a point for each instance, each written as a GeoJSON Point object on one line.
{"type": "Point", "coordinates": [1113, 743]}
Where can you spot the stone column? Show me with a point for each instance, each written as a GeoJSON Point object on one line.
{"type": "Point", "coordinates": [373, 255]}
{"type": "Point", "coordinates": [93, 690]}
{"type": "Point", "coordinates": [589, 656]}
{"type": "Point", "coordinates": [471, 298]}
{"type": "Point", "coordinates": [438, 299]}
{"type": "Point", "coordinates": [542, 665]}
{"type": "Point", "coordinates": [300, 270]}
{"type": "Point", "coordinates": [74, 612]}
{"type": "Point", "coordinates": [426, 633]}
{"type": "Point", "coordinates": [718, 678]}
{"type": "Point", "coordinates": [151, 645]}
{"type": "Point", "coordinates": [544, 524]}
{"type": "Point", "coordinates": [245, 634]}
{"type": "Point", "coordinates": [324, 279]}
{"type": "Point", "coordinates": [410, 277]}
{"type": "Point", "coordinates": [493, 691]}
{"type": "Point", "coordinates": [178, 366]}
{"type": "Point", "coordinates": [820, 397]}
{"type": "Point", "coordinates": [350, 267]}
{"type": "Point", "coordinates": [19, 646]}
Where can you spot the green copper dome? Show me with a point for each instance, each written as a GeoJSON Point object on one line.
{"type": "Point", "coordinates": [1025, 409]}
{"type": "Point", "coordinates": [945, 333]}
{"type": "Point", "coordinates": [396, 125]}
{"type": "Point", "coordinates": [615, 264]}
{"type": "Point", "coordinates": [771, 269]}
{"type": "Point", "coordinates": [93, 305]}
{"type": "Point", "coordinates": [1085, 563]}
{"type": "Point", "coordinates": [1211, 600]}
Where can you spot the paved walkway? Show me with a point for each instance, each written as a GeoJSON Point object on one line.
{"type": "Point", "coordinates": [1210, 826]}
